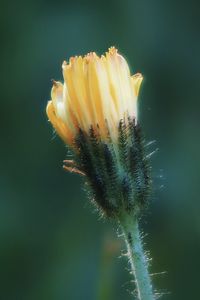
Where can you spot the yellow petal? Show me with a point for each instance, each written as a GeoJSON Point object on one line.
{"type": "Point", "coordinates": [60, 127]}
{"type": "Point", "coordinates": [136, 81]}
{"type": "Point", "coordinates": [120, 82]}
{"type": "Point", "coordinates": [109, 111]}
{"type": "Point", "coordinates": [94, 93]}
{"type": "Point", "coordinates": [59, 100]}
{"type": "Point", "coordinates": [73, 76]}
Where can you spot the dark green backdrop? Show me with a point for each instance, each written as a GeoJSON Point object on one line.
{"type": "Point", "coordinates": [52, 243]}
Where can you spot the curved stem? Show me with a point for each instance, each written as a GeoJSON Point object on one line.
{"type": "Point", "coordinates": [137, 257]}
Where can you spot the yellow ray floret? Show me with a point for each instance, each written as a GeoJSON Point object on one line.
{"type": "Point", "coordinates": [97, 91]}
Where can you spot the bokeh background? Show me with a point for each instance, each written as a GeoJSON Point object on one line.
{"type": "Point", "coordinates": [53, 244]}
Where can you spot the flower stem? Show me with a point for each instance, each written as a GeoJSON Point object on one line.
{"type": "Point", "coordinates": [137, 257]}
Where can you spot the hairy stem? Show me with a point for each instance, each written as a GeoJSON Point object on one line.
{"type": "Point", "coordinates": [137, 257]}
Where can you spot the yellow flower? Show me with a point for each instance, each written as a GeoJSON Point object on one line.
{"type": "Point", "coordinates": [95, 112]}
{"type": "Point", "coordinates": [97, 92]}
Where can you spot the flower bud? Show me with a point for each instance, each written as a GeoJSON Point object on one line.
{"type": "Point", "coordinates": [95, 112]}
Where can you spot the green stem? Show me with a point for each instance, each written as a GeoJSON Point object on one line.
{"type": "Point", "coordinates": [137, 257]}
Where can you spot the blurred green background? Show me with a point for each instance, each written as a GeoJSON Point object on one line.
{"type": "Point", "coordinates": [53, 244]}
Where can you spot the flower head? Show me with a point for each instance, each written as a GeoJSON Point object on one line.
{"type": "Point", "coordinates": [95, 112]}
{"type": "Point", "coordinates": [97, 92]}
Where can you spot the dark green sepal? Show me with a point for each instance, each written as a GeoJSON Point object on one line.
{"type": "Point", "coordinates": [117, 173]}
